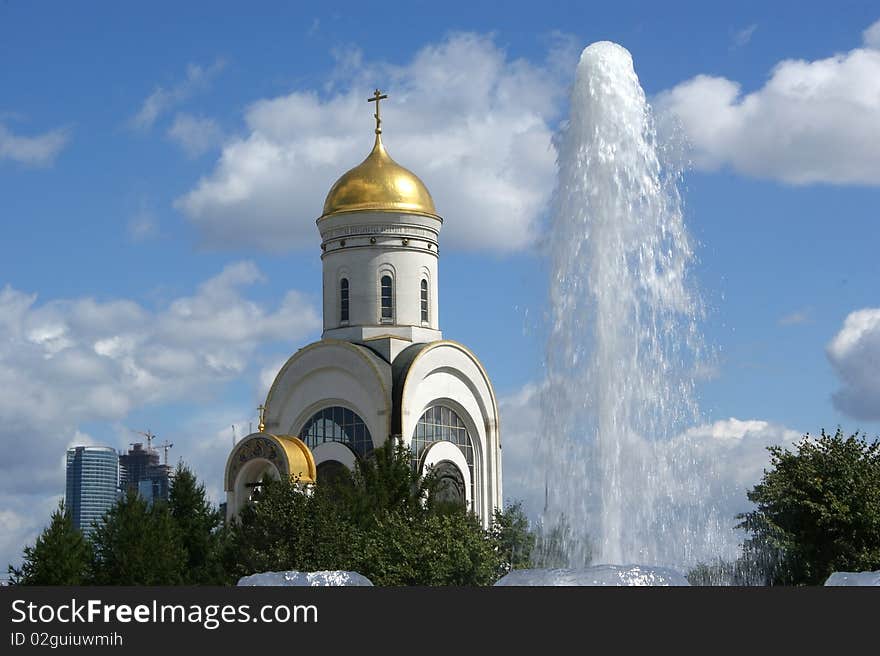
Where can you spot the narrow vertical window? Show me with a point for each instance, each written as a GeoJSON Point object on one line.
{"type": "Point", "coordinates": [424, 301]}
{"type": "Point", "coordinates": [343, 299]}
{"type": "Point", "coordinates": [387, 298]}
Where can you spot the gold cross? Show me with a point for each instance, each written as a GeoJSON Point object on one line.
{"type": "Point", "coordinates": [377, 96]}
{"type": "Point", "coordinates": [262, 426]}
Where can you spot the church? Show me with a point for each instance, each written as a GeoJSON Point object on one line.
{"type": "Point", "coordinates": [381, 370]}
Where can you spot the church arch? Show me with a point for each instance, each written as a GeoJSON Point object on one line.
{"type": "Point", "coordinates": [337, 423]}
{"type": "Point", "coordinates": [331, 372]}
{"type": "Point", "coordinates": [260, 457]}
{"type": "Point", "coordinates": [441, 436]}
{"type": "Point", "coordinates": [448, 373]}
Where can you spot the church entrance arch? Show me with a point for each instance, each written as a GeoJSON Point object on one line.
{"type": "Point", "coordinates": [261, 457]}
{"type": "Point", "coordinates": [441, 440]}
{"type": "Point", "coordinates": [251, 477]}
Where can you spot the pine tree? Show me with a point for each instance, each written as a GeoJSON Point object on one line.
{"type": "Point", "coordinates": [61, 555]}
{"type": "Point", "coordinates": [138, 544]}
{"type": "Point", "coordinates": [197, 523]}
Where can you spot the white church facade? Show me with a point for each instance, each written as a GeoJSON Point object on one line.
{"type": "Point", "coordinates": [382, 370]}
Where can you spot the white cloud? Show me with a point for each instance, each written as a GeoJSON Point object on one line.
{"type": "Point", "coordinates": [855, 355]}
{"type": "Point", "coordinates": [737, 452]}
{"type": "Point", "coordinates": [67, 362]}
{"type": "Point", "coordinates": [811, 122]}
{"type": "Point", "coordinates": [196, 135]}
{"type": "Point", "coordinates": [743, 36]}
{"type": "Point", "coordinates": [704, 472]}
{"type": "Point", "coordinates": [38, 150]}
{"type": "Point", "coordinates": [142, 226]}
{"type": "Point", "coordinates": [474, 124]}
{"type": "Point", "coordinates": [796, 317]}
{"type": "Point", "coordinates": [164, 99]}
{"type": "Point", "coordinates": [520, 423]}
{"type": "Point", "coordinates": [871, 36]}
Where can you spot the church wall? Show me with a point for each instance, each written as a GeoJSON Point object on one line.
{"type": "Point", "coordinates": [331, 373]}
{"type": "Point", "coordinates": [360, 248]}
{"type": "Point", "coordinates": [447, 374]}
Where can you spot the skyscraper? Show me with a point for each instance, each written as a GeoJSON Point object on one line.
{"type": "Point", "coordinates": [92, 484]}
{"type": "Point", "coordinates": [141, 471]}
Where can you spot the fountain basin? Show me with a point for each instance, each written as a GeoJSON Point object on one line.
{"type": "Point", "coordinates": [306, 579]}
{"type": "Point", "coordinates": [598, 575]}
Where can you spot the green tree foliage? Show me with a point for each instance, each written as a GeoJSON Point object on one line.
{"type": "Point", "coordinates": [380, 521]}
{"type": "Point", "coordinates": [516, 542]}
{"type": "Point", "coordinates": [61, 555]}
{"type": "Point", "coordinates": [383, 482]}
{"type": "Point", "coordinates": [440, 548]}
{"type": "Point", "coordinates": [286, 528]}
{"type": "Point", "coordinates": [750, 569]}
{"type": "Point", "coordinates": [818, 509]}
{"type": "Point", "coordinates": [138, 544]}
{"type": "Point", "coordinates": [556, 546]}
{"type": "Point", "coordinates": [197, 522]}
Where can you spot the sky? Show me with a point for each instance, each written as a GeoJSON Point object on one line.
{"type": "Point", "coordinates": [161, 167]}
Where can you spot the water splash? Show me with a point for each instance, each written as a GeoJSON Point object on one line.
{"type": "Point", "coordinates": [624, 342]}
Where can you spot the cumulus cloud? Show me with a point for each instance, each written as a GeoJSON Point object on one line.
{"type": "Point", "coordinates": [64, 363]}
{"type": "Point", "coordinates": [812, 121]}
{"type": "Point", "coordinates": [855, 355]}
{"type": "Point", "coordinates": [871, 36]}
{"type": "Point", "coordinates": [195, 134]}
{"type": "Point", "coordinates": [704, 472]}
{"type": "Point", "coordinates": [37, 150]}
{"type": "Point", "coordinates": [164, 99]}
{"type": "Point", "coordinates": [520, 422]}
{"type": "Point", "coordinates": [473, 123]}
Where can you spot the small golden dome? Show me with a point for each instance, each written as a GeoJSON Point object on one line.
{"type": "Point", "coordinates": [379, 184]}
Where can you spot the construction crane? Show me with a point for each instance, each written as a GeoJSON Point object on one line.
{"type": "Point", "coordinates": [149, 435]}
{"type": "Point", "coordinates": [165, 446]}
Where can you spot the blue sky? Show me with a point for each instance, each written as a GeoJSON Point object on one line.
{"type": "Point", "coordinates": [161, 167]}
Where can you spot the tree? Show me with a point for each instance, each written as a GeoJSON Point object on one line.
{"type": "Point", "coordinates": [138, 544]}
{"type": "Point", "coordinates": [516, 542]}
{"type": "Point", "coordinates": [556, 546]}
{"type": "Point", "coordinates": [197, 522]}
{"type": "Point", "coordinates": [61, 555]}
{"type": "Point", "coordinates": [818, 509]}
{"type": "Point", "coordinates": [379, 521]}
{"type": "Point", "coordinates": [288, 529]}
{"type": "Point", "coordinates": [385, 481]}
{"type": "Point", "coordinates": [435, 549]}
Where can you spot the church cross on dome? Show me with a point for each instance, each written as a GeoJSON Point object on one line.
{"type": "Point", "coordinates": [262, 425]}
{"type": "Point", "coordinates": [377, 96]}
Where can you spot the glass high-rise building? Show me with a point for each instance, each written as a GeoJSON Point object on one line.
{"type": "Point", "coordinates": [92, 484]}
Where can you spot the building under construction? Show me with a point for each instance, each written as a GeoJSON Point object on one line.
{"type": "Point", "coordinates": [140, 470]}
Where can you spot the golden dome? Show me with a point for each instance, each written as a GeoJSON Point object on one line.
{"type": "Point", "coordinates": [379, 184]}
{"type": "Point", "coordinates": [300, 461]}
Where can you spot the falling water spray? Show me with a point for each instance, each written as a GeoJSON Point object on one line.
{"type": "Point", "coordinates": [624, 340]}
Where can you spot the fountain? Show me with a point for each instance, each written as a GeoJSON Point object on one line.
{"type": "Point", "coordinates": [624, 341]}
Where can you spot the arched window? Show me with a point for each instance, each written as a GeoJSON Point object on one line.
{"type": "Point", "coordinates": [387, 296]}
{"type": "Point", "coordinates": [343, 300]}
{"type": "Point", "coordinates": [424, 298]}
{"type": "Point", "coordinates": [441, 423]}
{"type": "Point", "coordinates": [337, 424]}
